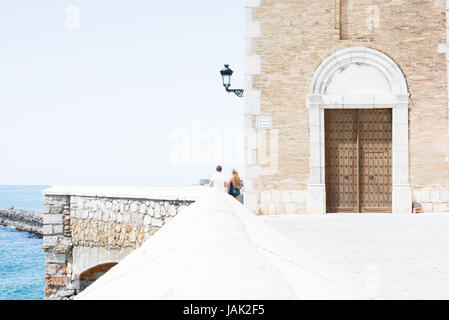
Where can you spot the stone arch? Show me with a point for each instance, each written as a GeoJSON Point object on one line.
{"type": "Point", "coordinates": [343, 58]}
{"type": "Point", "coordinates": [390, 91]}
{"type": "Point", "coordinates": [87, 277]}
{"type": "Point", "coordinates": [86, 258]}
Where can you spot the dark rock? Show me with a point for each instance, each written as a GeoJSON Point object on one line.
{"type": "Point", "coordinates": [22, 220]}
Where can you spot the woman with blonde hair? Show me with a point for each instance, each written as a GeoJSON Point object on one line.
{"type": "Point", "coordinates": [234, 185]}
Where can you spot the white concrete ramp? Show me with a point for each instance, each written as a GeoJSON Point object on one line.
{"type": "Point", "coordinates": [217, 249]}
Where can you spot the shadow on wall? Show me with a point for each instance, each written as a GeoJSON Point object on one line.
{"type": "Point", "coordinates": [91, 275]}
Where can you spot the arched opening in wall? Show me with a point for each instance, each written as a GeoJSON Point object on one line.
{"type": "Point", "coordinates": [358, 128]}
{"type": "Point", "coordinates": [358, 143]}
{"type": "Point", "coordinates": [91, 275]}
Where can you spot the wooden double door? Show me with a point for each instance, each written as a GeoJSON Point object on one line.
{"type": "Point", "coordinates": [358, 153]}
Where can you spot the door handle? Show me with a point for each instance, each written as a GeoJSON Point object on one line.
{"type": "Point", "coordinates": [371, 177]}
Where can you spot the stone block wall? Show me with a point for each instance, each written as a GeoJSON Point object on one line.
{"type": "Point", "coordinates": [432, 200]}
{"type": "Point", "coordinates": [57, 243]}
{"type": "Point", "coordinates": [286, 41]}
{"type": "Point", "coordinates": [118, 223]}
{"type": "Point", "coordinates": [83, 234]}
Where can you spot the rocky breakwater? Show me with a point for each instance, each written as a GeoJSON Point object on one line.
{"type": "Point", "coordinates": [22, 220]}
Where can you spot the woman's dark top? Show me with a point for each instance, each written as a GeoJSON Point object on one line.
{"type": "Point", "coordinates": [233, 191]}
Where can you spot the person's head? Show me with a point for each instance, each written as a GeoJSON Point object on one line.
{"type": "Point", "coordinates": [219, 168]}
{"type": "Point", "coordinates": [236, 179]}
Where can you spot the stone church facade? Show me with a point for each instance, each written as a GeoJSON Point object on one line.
{"type": "Point", "coordinates": [349, 98]}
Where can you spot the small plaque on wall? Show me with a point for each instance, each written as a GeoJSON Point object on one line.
{"type": "Point", "coordinates": [264, 123]}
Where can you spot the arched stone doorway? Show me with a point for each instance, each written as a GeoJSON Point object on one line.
{"type": "Point", "coordinates": [89, 276]}
{"type": "Point", "coordinates": [358, 79]}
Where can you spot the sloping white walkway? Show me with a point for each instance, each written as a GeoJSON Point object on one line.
{"type": "Point", "coordinates": [397, 256]}
{"type": "Point", "coordinates": [217, 249]}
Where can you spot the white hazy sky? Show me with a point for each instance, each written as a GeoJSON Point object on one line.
{"type": "Point", "coordinates": [99, 104]}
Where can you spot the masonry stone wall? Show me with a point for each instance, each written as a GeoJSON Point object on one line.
{"type": "Point", "coordinates": [86, 235]}
{"type": "Point", "coordinates": [432, 200]}
{"type": "Point", "coordinates": [57, 243]}
{"type": "Point", "coordinates": [118, 223]}
{"type": "Point", "coordinates": [285, 43]}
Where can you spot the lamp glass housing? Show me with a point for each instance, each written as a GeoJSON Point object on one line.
{"type": "Point", "coordinates": [226, 80]}
{"type": "Point", "coordinates": [226, 74]}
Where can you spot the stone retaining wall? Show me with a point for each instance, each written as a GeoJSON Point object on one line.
{"type": "Point", "coordinates": [277, 202]}
{"type": "Point", "coordinates": [118, 223]}
{"type": "Point", "coordinates": [86, 234]}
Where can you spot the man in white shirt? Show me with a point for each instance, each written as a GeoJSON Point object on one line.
{"type": "Point", "coordinates": [218, 180]}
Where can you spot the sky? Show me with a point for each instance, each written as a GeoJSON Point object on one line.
{"type": "Point", "coordinates": [111, 92]}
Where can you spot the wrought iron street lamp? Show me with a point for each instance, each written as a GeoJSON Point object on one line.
{"type": "Point", "coordinates": [226, 74]}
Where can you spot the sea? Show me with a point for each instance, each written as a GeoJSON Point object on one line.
{"type": "Point", "coordinates": [22, 260]}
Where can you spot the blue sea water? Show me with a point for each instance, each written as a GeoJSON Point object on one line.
{"type": "Point", "coordinates": [22, 265]}
{"type": "Point", "coordinates": [22, 260]}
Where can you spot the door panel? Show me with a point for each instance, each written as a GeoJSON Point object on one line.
{"type": "Point", "coordinates": [375, 160]}
{"type": "Point", "coordinates": [358, 152]}
{"type": "Point", "coordinates": [341, 160]}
